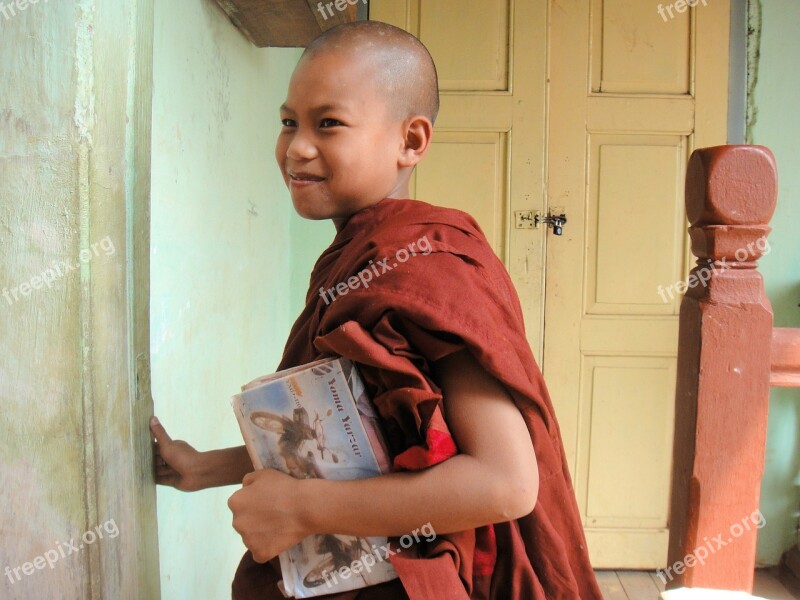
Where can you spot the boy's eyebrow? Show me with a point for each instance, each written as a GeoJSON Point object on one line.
{"type": "Point", "coordinates": [327, 107]}
{"type": "Point", "coordinates": [317, 109]}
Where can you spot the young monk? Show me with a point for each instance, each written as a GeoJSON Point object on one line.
{"type": "Point", "coordinates": [438, 335]}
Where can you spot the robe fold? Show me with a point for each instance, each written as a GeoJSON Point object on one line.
{"type": "Point", "coordinates": [402, 285]}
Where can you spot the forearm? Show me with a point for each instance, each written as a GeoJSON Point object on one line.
{"type": "Point", "coordinates": [226, 466]}
{"type": "Point", "coordinates": [494, 478]}
{"type": "Point", "coordinates": [459, 494]}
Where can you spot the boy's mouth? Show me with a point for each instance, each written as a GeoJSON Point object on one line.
{"type": "Point", "coordinates": [304, 178]}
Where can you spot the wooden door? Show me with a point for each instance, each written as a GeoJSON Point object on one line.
{"type": "Point", "coordinates": [631, 95]}
{"type": "Point", "coordinates": [487, 156]}
{"type": "Point", "coordinates": [603, 132]}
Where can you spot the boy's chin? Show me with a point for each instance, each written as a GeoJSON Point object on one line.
{"type": "Point", "coordinates": [310, 210]}
{"type": "Point", "coordinates": [314, 212]}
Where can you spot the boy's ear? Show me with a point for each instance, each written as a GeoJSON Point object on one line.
{"type": "Point", "coordinates": [418, 133]}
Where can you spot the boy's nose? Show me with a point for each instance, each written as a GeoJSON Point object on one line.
{"type": "Point", "coordinates": [301, 148]}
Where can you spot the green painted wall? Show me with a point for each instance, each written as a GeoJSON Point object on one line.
{"type": "Point", "coordinates": [222, 272]}
{"type": "Point", "coordinates": [309, 239]}
{"type": "Point", "coordinates": [775, 123]}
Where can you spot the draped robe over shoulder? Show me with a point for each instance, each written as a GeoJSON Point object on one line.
{"type": "Point", "coordinates": [435, 288]}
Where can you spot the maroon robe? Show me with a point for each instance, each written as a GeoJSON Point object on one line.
{"type": "Point", "coordinates": [441, 290]}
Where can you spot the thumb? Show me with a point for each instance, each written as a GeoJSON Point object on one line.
{"type": "Point", "coordinates": [159, 432]}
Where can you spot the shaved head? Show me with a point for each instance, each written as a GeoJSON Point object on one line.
{"type": "Point", "coordinates": [401, 66]}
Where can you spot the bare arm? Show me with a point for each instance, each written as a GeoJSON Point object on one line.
{"type": "Point", "coordinates": [493, 479]}
{"type": "Point", "coordinates": [179, 465]}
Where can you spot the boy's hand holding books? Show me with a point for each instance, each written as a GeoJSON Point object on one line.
{"type": "Point", "coordinates": [303, 426]}
{"type": "Point", "coordinates": [300, 426]}
{"type": "Point", "coordinates": [312, 422]}
{"type": "Point", "coordinates": [267, 515]}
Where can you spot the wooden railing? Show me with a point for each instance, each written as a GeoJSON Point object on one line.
{"type": "Point", "coordinates": [728, 356]}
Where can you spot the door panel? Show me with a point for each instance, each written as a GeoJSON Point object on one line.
{"type": "Point", "coordinates": [617, 497]}
{"type": "Point", "coordinates": [484, 63]}
{"type": "Point", "coordinates": [480, 158]}
{"type": "Point", "coordinates": [624, 222]}
{"type": "Point", "coordinates": [636, 51]}
{"type": "Point", "coordinates": [630, 96]}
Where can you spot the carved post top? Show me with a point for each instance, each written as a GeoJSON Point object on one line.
{"type": "Point", "coordinates": [731, 185]}
{"type": "Point", "coordinates": [731, 194]}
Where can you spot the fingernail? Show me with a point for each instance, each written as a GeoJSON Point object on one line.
{"type": "Point", "coordinates": [154, 421]}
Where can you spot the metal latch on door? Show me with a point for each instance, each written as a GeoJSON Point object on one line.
{"type": "Point", "coordinates": [528, 219]}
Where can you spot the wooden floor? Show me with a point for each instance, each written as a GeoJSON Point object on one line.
{"type": "Point", "coordinates": [646, 585]}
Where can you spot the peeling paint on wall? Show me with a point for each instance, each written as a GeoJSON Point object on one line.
{"type": "Point", "coordinates": [84, 69]}
{"type": "Point", "coordinates": [753, 55]}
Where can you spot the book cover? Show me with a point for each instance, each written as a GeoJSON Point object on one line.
{"type": "Point", "coordinates": [316, 421]}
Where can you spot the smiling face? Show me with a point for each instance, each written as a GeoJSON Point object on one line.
{"type": "Point", "coordinates": [342, 147]}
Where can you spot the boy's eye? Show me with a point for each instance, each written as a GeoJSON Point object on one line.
{"type": "Point", "coordinates": [329, 123]}
{"type": "Point", "coordinates": [288, 122]}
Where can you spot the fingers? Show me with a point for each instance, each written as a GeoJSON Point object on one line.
{"type": "Point", "coordinates": [166, 475]}
{"type": "Point", "coordinates": [158, 458]}
{"type": "Point", "coordinates": [165, 470]}
{"type": "Point", "coordinates": [260, 541]}
{"type": "Point", "coordinates": [248, 479]}
{"type": "Point", "coordinates": [161, 435]}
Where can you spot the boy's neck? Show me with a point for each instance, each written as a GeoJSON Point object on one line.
{"type": "Point", "coordinates": [340, 222]}
{"type": "Point", "coordinates": [399, 193]}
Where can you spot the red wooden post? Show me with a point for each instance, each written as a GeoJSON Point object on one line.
{"type": "Point", "coordinates": [722, 390]}
{"type": "Point", "coordinates": [785, 357]}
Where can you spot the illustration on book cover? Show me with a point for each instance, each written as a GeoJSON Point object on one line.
{"type": "Point", "coordinates": [316, 421]}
